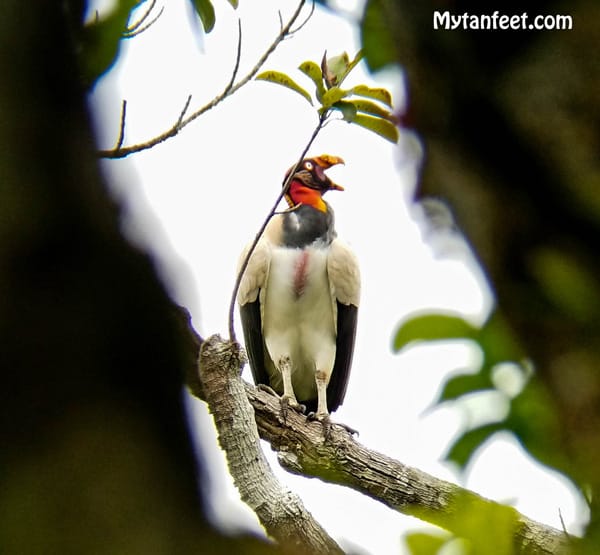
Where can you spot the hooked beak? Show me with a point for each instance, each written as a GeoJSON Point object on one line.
{"type": "Point", "coordinates": [325, 161]}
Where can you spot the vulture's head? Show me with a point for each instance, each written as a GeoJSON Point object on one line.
{"type": "Point", "coordinates": [309, 182]}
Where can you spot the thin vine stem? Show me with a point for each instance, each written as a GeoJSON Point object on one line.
{"type": "Point", "coordinates": [284, 188]}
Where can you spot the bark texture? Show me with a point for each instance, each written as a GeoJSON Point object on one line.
{"type": "Point", "coordinates": [279, 510]}
{"type": "Point", "coordinates": [302, 449]}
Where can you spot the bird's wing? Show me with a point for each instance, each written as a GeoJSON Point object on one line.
{"type": "Point", "coordinates": [253, 280]}
{"type": "Point", "coordinates": [344, 281]}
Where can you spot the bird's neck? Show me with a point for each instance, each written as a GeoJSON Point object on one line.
{"type": "Point", "coordinates": [304, 225]}
{"type": "Point", "coordinates": [298, 193]}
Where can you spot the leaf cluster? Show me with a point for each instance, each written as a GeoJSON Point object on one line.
{"type": "Point", "coordinates": [479, 527]}
{"type": "Point", "coordinates": [531, 418]}
{"type": "Point", "coordinates": [362, 105]}
{"type": "Point", "coordinates": [504, 370]}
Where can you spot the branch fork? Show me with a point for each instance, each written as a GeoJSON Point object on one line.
{"type": "Point", "coordinates": [120, 151]}
{"type": "Point", "coordinates": [244, 413]}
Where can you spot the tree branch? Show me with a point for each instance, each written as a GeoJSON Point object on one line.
{"type": "Point", "coordinates": [143, 24]}
{"type": "Point", "coordinates": [340, 460]}
{"type": "Point", "coordinates": [230, 89]}
{"type": "Point", "coordinates": [280, 511]}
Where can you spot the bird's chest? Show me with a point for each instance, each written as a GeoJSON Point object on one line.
{"type": "Point", "coordinates": [298, 316]}
{"type": "Point", "coordinates": [298, 277]}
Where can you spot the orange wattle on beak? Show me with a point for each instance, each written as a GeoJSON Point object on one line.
{"type": "Point", "coordinates": [326, 160]}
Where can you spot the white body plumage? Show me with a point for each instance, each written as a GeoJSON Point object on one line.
{"type": "Point", "coordinates": [299, 317]}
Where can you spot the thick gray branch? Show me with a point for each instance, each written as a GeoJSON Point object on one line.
{"type": "Point", "coordinates": [279, 510]}
{"type": "Point", "coordinates": [341, 460]}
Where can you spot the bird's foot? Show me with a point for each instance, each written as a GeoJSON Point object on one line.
{"type": "Point", "coordinates": [328, 424]}
{"type": "Point", "coordinates": [288, 403]}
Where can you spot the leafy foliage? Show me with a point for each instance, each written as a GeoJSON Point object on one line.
{"type": "Point", "coordinates": [479, 528]}
{"type": "Point", "coordinates": [424, 543]}
{"type": "Point", "coordinates": [285, 81]}
{"type": "Point", "coordinates": [487, 528]}
{"type": "Point", "coordinates": [371, 111]}
{"type": "Point", "coordinates": [206, 12]}
{"type": "Point", "coordinates": [379, 45]}
{"type": "Point", "coordinates": [531, 417]}
{"type": "Point", "coordinates": [99, 41]}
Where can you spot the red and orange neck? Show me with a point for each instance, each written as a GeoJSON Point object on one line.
{"type": "Point", "coordinates": [298, 193]}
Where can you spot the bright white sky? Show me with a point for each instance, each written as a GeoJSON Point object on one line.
{"type": "Point", "coordinates": [197, 199]}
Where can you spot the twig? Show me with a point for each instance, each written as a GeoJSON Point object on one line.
{"type": "Point", "coordinates": [562, 524]}
{"type": "Point", "coordinates": [262, 228]}
{"type": "Point", "coordinates": [182, 114]}
{"type": "Point", "coordinates": [238, 56]}
{"type": "Point", "coordinates": [122, 125]}
{"type": "Point", "coordinates": [229, 90]}
{"type": "Point", "coordinates": [306, 20]}
{"type": "Point", "coordinates": [137, 29]}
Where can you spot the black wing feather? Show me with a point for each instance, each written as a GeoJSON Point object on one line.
{"type": "Point", "coordinates": [346, 333]}
{"type": "Point", "coordinates": [253, 338]}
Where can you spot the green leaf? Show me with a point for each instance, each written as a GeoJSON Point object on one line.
{"type": "Point", "coordinates": [379, 36]}
{"type": "Point", "coordinates": [206, 12]}
{"type": "Point", "coordinates": [347, 108]}
{"type": "Point", "coordinates": [567, 283]}
{"type": "Point", "coordinates": [463, 384]}
{"type": "Point", "coordinates": [285, 81]}
{"type": "Point", "coordinates": [368, 107]}
{"type": "Point", "coordinates": [333, 95]}
{"type": "Point", "coordinates": [433, 327]}
{"type": "Point", "coordinates": [376, 93]}
{"type": "Point", "coordinates": [353, 64]}
{"type": "Point", "coordinates": [534, 420]}
{"type": "Point", "coordinates": [382, 127]}
{"type": "Point", "coordinates": [497, 341]}
{"type": "Point", "coordinates": [100, 41]}
{"type": "Point", "coordinates": [487, 528]}
{"type": "Point", "coordinates": [422, 543]}
{"type": "Point", "coordinates": [312, 70]}
{"type": "Point", "coordinates": [335, 68]}
{"type": "Point", "coordinates": [234, 3]}
{"type": "Point", "coordinates": [465, 446]}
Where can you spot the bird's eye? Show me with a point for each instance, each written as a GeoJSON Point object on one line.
{"type": "Point", "coordinates": [308, 165]}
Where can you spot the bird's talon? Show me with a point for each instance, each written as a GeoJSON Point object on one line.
{"type": "Point", "coordinates": [290, 403]}
{"type": "Point", "coordinates": [324, 420]}
{"type": "Point", "coordinates": [352, 431]}
{"type": "Point", "coordinates": [328, 424]}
